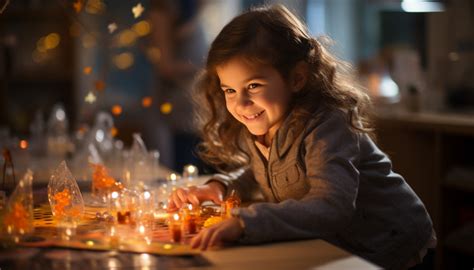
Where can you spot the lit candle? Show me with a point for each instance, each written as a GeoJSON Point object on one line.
{"type": "Point", "coordinates": [175, 228]}
{"type": "Point", "coordinates": [190, 171]}
{"type": "Point", "coordinates": [233, 201]}
{"type": "Point", "coordinates": [190, 220]}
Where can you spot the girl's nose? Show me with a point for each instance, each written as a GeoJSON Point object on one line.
{"type": "Point", "coordinates": [243, 100]}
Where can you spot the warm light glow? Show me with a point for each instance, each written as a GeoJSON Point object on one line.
{"type": "Point", "coordinates": [23, 144]}
{"type": "Point", "coordinates": [137, 10]}
{"type": "Point", "coordinates": [113, 131]}
{"type": "Point", "coordinates": [40, 45]}
{"type": "Point", "coordinates": [87, 70]}
{"type": "Point", "coordinates": [167, 246]}
{"type": "Point", "coordinates": [146, 195]}
{"type": "Point", "coordinates": [146, 102]}
{"type": "Point", "coordinates": [90, 243]}
{"type": "Point", "coordinates": [142, 28]}
{"type": "Point", "coordinates": [173, 177]}
{"type": "Point", "coordinates": [90, 98]}
{"type": "Point", "coordinates": [123, 60]}
{"type": "Point", "coordinates": [166, 108]}
{"type": "Point", "coordinates": [175, 217]}
{"type": "Point", "coordinates": [112, 27]}
{"type": "Point", "coordinates": [127, 38]}
{"type": "Point", "coordinates": [141, 229]}
{"type": "Point", "coordinates": [52, 41]}
{"type": "Point", "coordinates": [114, 195]}
{"type": "Point", "coordinates": [116, 110]}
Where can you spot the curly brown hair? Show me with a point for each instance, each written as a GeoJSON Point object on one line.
{"type": "Point", "coordinates": [272, 35]}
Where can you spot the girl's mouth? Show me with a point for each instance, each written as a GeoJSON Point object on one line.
{"type": "Point", "coordinates": [253, 116]}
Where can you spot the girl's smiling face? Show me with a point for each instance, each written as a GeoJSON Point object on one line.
{"type": "Point", "coordinates": [256, 95]}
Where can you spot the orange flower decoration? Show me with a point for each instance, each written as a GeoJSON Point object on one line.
{"type": "Point", "coordinates": [62, 199]}
{"type": "Point", "coordinates": [17, 218]}
{"type": "Point", "coordinates": [102, 181]}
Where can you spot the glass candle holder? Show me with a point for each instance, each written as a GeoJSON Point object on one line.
{"type": "Point", "coordinates": [127, 207]}
{"type": "Point", "coordinates": [175, 225]}
{"type": "Point", "coordinates": [190, 216]}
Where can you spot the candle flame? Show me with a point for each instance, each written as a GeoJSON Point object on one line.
{"type": "Point", "coordinates": [176, 217]}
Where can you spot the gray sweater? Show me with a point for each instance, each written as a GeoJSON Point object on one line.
{"type": "Point", "coordinates": [328, 182]}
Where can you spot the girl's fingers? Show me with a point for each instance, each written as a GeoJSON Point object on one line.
{"type": "Point", "coordinates": [216, 239]}
{"type": "Point", "coordinates": [176, 199]}
{"type": "Point", "coordinates": [193, 199]}
{"type": "Point", "coordinates": [196, 241]}
{"type": "Point", "coordinates": [218, 199]}
{"type": "Point", "coordinates": [171, 204]}
{"type": "Point", "coordinates": [205, 238]}
{"type": "Point", "coordinates": [182, 195]}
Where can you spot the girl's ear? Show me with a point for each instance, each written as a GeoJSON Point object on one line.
{"type": "Point", "coordinates": [299, 76]}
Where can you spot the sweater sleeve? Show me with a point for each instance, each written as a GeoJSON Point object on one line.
{"type": "Point", "coordinates": [242, 181]}
{"type": "Point", "coordinates": [330, 157]}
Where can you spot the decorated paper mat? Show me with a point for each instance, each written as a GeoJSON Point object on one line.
{"type": "Point", "coordinates": [90, 234]}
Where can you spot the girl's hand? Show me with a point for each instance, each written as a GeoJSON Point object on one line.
{"type": "Point", "coordinates": [213, 191]}
{"type": "Point", "coordinates": [229, 230]}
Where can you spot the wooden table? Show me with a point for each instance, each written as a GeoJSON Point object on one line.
{"type": "Point", "coordinates": [308, 254]}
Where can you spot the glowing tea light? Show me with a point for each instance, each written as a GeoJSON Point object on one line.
{"type": "Point", "coordinates": [141, 229]}
{"type": "Point", "coordinates": [173, 177]}
{"type": "Point", "coordinates": [23, 144]}
{"type": "Point", "coordinates": [146, 195]}
{"type": "Point", "coordinates": [175, 228]}
{"type": "Point", "coordinates": [112, 231]}
{"type": "Point", "coordinates": [190, 220]}
{"type": "Point", "coordinates": [115, 195]}
{"type": "Point", "coordinates": [190, 171]}
{"type": "Point", "coordinates": [167, 246]}
{"type": "Point", "coordinates": [90, 243]}
{"type": "Point", "coordinates": [160, 215]}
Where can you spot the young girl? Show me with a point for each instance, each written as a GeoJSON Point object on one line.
{"type": "Point", "coordinates": [289, 128]}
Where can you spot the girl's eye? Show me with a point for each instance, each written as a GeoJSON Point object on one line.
{"type": "Point", "coordinates": [253, 85]}
{"type": "Point", "coordinates": [229, 91]}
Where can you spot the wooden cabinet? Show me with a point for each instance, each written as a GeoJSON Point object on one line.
{"type": "Point", "coordinates": [434, 152]}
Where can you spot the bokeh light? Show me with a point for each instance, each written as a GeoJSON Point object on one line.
{"type": "Point", "coordinates": [123, 60]}
{"type": "Point", "coordinates": [116, 110]}
{"type": "Point", "coordinates": [146, 102]}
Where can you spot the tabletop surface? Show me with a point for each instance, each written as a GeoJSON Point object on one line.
{"type": "Point", "coordinates": [307, 254]}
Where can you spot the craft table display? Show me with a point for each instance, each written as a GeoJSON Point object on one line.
{"type": "Point", "coordinates": [116, 219]}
